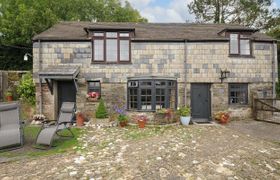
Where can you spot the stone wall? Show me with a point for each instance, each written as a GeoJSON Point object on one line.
{"type": "Point", "coordinates": [9, 80]}
{"type": "Point", "coordinates": [204, 63]}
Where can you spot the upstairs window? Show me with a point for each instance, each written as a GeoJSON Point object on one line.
{"type": "Point", "coordinates": [239, 44]}
{"type": "Point", "coordinates": [111, 47]}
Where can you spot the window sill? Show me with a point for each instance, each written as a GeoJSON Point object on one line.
{"type": "Point", "coordinates": [239, 105]}
{"type": "Point", "coordinates": [123, 63]}
{"type": "Point", "coordinates": [240, 56]}
{"type": "Point", "coordinates": [136, 110]}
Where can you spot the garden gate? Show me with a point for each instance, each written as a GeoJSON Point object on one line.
{"type": "Point", "coordinates": [267, 110]}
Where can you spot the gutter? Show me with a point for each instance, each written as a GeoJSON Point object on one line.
{"type": "Point", "coordinates": [185, 72]}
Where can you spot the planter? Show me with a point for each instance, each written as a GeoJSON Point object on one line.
{"type": "Point", "coordinates": [123, 123]}
{"type": "Point", "coordinates": [141, 123]}
{"type": "Point", "coordinates": [224, 119]}
{"type": "Point", "coordinates": [92, 99]}
{"type": "Point", "coordinates": [80, 120]}
{"type": "Point", "coordinates": [9, 98]}
{"type": "Point", "coordinates": [185, 120]}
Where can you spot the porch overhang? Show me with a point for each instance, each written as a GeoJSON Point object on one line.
{"type": "Point", "coordinates": [52, 73]}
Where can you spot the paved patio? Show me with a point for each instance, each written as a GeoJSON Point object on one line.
{"type": "Point", "coordinates": [175, 152]}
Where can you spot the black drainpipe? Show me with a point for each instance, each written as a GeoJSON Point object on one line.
{"type": "Point", "coordinates": [40, 80]}
{"type": "Point", "coordinates": [185, 72]}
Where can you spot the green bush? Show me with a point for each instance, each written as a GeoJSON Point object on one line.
{"type": "Point", "coordinates": [26, 89]}
{"type": "Point", "coordinates": [101, 111]}
{"type": "Point", "coordinates": [184, 111]}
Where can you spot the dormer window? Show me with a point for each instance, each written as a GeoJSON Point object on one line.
{"type": "Point", "coordinates": [239, 44]}
{"type": "Point", "coordinates": [111, 47]}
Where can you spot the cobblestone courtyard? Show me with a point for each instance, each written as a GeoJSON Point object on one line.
{"type": "Point", "coordinates": [174, 152]}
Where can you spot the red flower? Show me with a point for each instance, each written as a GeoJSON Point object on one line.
{"type": "Point", "coordinates": [93, 95]}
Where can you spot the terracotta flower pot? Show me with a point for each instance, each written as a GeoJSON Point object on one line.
{"type": "Point", "coordinates": [80, 119]}
{"type": "Point", "coordinates": [141, 123]}
{"type": "Point", "coordinates": [224, 118]}
{"type": "Point", "coordinates": [123, 123]}
{"type": "Point", "coordinates": [9, 98]}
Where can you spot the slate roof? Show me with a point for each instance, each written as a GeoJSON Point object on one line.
{"type": "Point", "coordinates": [59, 72]}
{"type": "Point", "coordinates": [146, 31]}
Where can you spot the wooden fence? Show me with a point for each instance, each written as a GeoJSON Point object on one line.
{"type": "Point", "coordinates": [267, 109]}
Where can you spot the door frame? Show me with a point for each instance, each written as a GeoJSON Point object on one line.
{"type": "Point", "coordinates": [209, 98]}
{"type": "Point", "coordinates": [56, 96]}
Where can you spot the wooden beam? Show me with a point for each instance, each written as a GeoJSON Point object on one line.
{"type": "Point", "coordinates": [50, 85]}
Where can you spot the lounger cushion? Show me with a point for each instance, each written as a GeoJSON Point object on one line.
{"type": "Point", "coordinates": [67, 107]}
{"type": "Point", "coordinates": [9, 137]}
{"type": "Point", "coordinates": [46, 135]}
{"type": "Point", "coordinates": [10, 116]}
{"type": "Point", "coordinates": [6, 107]}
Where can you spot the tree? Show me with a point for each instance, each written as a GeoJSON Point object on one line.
{"type": "Point", "coordinates": [21, 20]}
{"type": "Point", "coordinates": [253, 13]}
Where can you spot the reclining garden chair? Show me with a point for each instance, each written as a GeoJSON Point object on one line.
{"type": "Point", "coordinates": [51, 128]}
{"type": "Point", "coordinates": [11, 131]}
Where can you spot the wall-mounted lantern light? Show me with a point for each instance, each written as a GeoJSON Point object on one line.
{"type": "Point", "coordinates": [224, 75]}
{"type": "Point", "coordinates": [25, 57]}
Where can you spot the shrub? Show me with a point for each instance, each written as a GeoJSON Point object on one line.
{"type": "Point", "coordinates": [101, 111]}
{"type": "Point", "coordinates": [184, 111]}
{"type": "Point", "coordinates": [26, 89]}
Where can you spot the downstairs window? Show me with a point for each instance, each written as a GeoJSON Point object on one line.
{"type": "Point", "coordinates": [153, 94]}
{"type": "Point", "coordinates": [238, 94]}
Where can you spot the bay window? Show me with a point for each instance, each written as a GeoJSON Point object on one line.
{"type": "Point", "coordinates": [152, 94]}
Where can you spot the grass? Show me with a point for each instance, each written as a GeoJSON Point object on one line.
{"type": "Point", "coordinates": [62, 145]}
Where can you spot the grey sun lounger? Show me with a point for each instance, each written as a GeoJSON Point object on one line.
{"type": "Point", "coordinates": [51, 128]}
{"type": "Point", "coordinates": [11, 132]}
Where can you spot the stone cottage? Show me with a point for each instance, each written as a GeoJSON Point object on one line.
{"type": "Point", "coordinates": [150, 66]}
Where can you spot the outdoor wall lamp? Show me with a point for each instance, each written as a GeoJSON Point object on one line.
{"type": "Point", "coordinates": [224, 75]}
{"type": "Point", "coordinates": [25, 57]}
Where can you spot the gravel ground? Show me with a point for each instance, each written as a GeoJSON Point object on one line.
{"type": "Point", "coordinates": [174, 152]}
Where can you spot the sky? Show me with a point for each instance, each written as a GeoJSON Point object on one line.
{"type": "Point", "coordinates": [169, 10]}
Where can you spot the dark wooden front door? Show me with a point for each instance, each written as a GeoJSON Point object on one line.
{"type": "Point", "coordinates": [66, 92]}
{"type": "Point", "coordinates": [200, 102]}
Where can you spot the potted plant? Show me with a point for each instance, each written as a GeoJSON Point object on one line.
{"type": "Point", "coordinates": [222, 117]}
{"type": "Point", "coordinates": [122, 118]}
{"type": "Point", "coordinates": [80, 118]}
{"type": "Point", "coordinates": [93, 96]}
{"type": "Point", "coordinates": [141, 120]}
{"type": "Point", "coordinates": [9, 95]}
{"type": "Point", "coordinates": [164, 116]}
{"type": "Point", "coordinates": [185, 115]}
{"type": "Point", "coordinates": [121, 113]}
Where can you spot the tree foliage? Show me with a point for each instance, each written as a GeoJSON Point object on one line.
{"type": "Point", "coordinates": [253, 13]}
{"type": "Point", "coordinates": [21, 20]}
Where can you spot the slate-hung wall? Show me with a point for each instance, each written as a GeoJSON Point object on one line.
{"type": "Point", "coordinates": [158, 59]}
{"type": "Point", "coordinates": [204, 62]}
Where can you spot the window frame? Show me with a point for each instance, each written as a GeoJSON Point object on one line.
{"type": "Point", "coordinates": [95, 81]}
{"type": "Point", "coordinates": [244, 86]}
{"type": "Point", "coordinates": [239, 45]}
{"type": "Point", "coordinates": [153, 88]}
{"type": "Point", "coordinates": [118, 38]}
